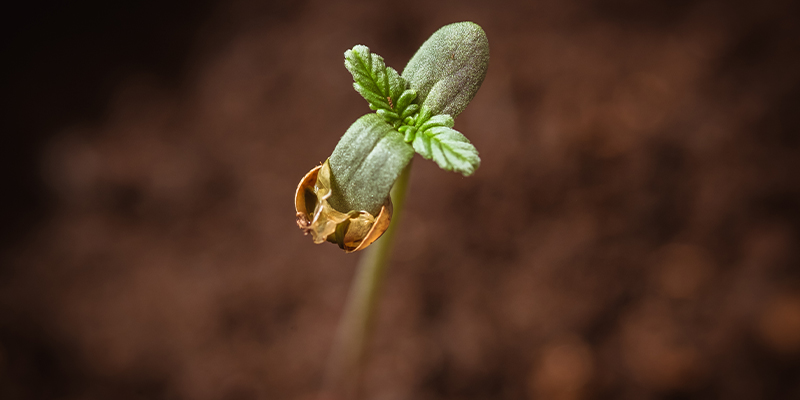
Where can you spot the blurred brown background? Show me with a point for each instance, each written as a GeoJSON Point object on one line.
{"type": "Point", "coordinates": [632, 232]}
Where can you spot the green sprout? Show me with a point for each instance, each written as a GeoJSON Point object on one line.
{"type": "Point", "coordinates": [352, 197]}
{"type": "Point", "coordinates": [414, 112]}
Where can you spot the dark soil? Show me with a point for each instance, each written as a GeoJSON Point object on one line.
{"type": "Point", "coordinates": [632, 232]}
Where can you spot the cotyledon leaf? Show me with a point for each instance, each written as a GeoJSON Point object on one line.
{"type": "Point", "coordinates": [449, 67]}
{"type": "Point", "coordinates": [365, 164]}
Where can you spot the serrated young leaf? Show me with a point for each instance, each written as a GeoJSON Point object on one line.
{"type": "Point", "coordinates": [459, 152]}
{"type": "Point", "coordinates": [447, 147]}
{"type": "Point", "coordinates": [376, 102]}
{"type": "Point", "coordinates": [395, 84]}
{"type": "Point", "coordinates": [422, 145]}
{"type": "Point", "coordinates": [437, 120]}
{"type": "Point", "coordinates": [358, 61]}
{"type": "Point", "coordinates": [409, 111]}
{"type": "Point", "coordinates": [380, 85]}
{"type": "Point", "coordinates": [409, 133]}
{"type": "Point", "coordinates": [405, 99]}
{"type": "Point", "coordinates": [413, 121]}
{"type": "Point", "coordinates": [424, 115]}
{"type": "Point", "coordinates": [389, 116]}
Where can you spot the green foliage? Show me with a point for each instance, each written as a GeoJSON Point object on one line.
{"type": "Point", "coordinates": [449, 67]}
{"type": "Point", "coordinates": [385, 90]}
{"type": "Point", "coordinates": [435, 139]}
{"type": "Point", "coordinates": [413, 112]}
{"type": "Point", "coordinates": [365, 164]}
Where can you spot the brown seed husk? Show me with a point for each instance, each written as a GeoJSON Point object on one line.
{"type": "Point", "coordinates": [352, 231]}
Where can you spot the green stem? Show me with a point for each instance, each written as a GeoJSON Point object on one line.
{"type": "Point", "coordinates": [347, 356]}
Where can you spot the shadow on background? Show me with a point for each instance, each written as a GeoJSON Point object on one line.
{"type": "Point", "coordinates": [632, 231]}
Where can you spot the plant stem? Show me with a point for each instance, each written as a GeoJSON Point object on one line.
{"type": "Point", "coordinates": [347, 356]}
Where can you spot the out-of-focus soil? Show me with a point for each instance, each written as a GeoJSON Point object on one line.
{"type": "Point", "coordinates": [632, 232]}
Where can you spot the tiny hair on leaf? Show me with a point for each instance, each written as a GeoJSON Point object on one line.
{"type": "Point", "coordinates": [382, 86]}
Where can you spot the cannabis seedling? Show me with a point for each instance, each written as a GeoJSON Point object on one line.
{"type": "Point", "coordinates": [347, 200]}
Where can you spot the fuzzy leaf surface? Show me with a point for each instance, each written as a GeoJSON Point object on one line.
{"type": "Point", "coordinates": [382, 87]}
{"type": "Point", "coordinates": [449, 67]}
{"type": "Point", "coordinates": [446, 146]}
{"type": "Point", "coordinates": [365, 164]}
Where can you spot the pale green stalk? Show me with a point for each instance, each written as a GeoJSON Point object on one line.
{"type": "Point", "coordinates": [413, 113]}
{"type": "Point", "coordinates": [341, 380]}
